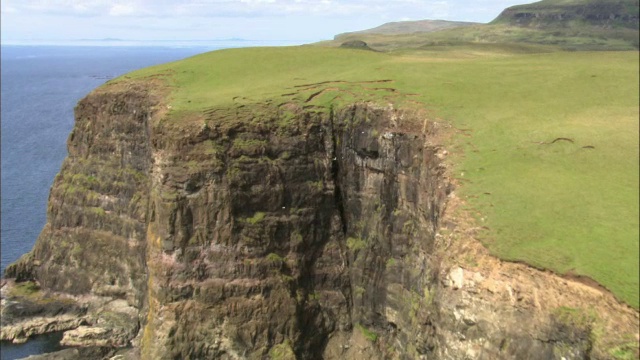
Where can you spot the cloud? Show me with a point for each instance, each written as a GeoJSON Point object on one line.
{"type": "Point", "coordinates": [121, 10]}
{"type": "Point", "coordinates": [216, 19]}
{"type": "Point", "coordinates": [6, 9]}
{"type": "Point", "coordinates": [258, 1]}
{"type": "Point", "coordinates": [170, 8]}
{"type": "Point", "coordinates": [60, 7]}
{"type": "Point", "coordinates": [384, 9]}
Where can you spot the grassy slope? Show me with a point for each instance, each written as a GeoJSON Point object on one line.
{"type": "Point", "coordinates": [567, 24]}
{"type": "Point", "coordinates": [558, 206]}
{"type": "Point", "coordinates": [408, 27]}
{"type": "Point", "coordinates": [571, 38]}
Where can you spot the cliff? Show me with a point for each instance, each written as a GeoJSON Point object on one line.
{"type": "Point", "coordinates": [285, 232]}
{"type": "Point", "coordinates": [603, 14]}
{"type": "Point", "coordinates": [575, 25]}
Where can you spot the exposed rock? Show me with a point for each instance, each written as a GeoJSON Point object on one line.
{"type": "Point", "coordinates": [251, 234]}
{"type": "Point", "coordinates": [82, 335]}
{"type": "Point", "coordinates": [76, 354]}
{"type": "Point", "coordinates": [92, 322]}
{"type": "Point", "coordinates": [603, 13]}
{"type": "Point", "coordinates": [20, 332]}
{"type": "Point", "coordinates": [26, 311]}
{"type": "Point", "coordinates": [356, 44]}
{"type": "Point", "coordinates": [93, 241]}
{"type": "Point", "coordinates": [455, 278]}
{"type": "Point", "coordinates": [113, 325]}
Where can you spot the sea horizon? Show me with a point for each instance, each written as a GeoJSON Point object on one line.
{"type": "Point", "coordinates": [109, 42]}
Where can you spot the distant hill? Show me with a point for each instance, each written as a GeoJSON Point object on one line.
{"type": "Point", "coordinates": [409, 27]}
{"type": "Point", "coordinates": [541, 26]}
{"type": "Point", "coordinates": [572, 13]}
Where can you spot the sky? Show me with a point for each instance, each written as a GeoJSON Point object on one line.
{"type": "Point", "coordinates": [51, 21]}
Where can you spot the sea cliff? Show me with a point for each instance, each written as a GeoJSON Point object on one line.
{"type": "Point", "coordinates": [281, 231]}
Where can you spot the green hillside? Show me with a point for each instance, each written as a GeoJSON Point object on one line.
{"type": "Point", "coordinates": [554, 24]}
{"type": "Point", "coordinates": [409, 27]}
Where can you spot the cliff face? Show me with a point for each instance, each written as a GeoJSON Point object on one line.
{"type": "Point", "coordinates": [94, 240]}
{"type": "Point", "coordinates": [607, 14]}
{"type": "Point", "coordinates": [283, 232]}
{"type": "Point", "coordinates": [289, 235]}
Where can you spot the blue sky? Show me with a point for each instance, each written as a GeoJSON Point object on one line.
{"type": "Point", "coordinates": [206, 20]}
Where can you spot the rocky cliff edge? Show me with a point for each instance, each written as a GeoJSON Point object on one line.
{"type": "Point", "coordinates": [282, 232]}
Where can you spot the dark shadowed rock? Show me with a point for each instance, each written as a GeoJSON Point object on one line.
{"type": "Point", "coordinates": [553, 13]}
{"type": "Point", "coordinates": [76, 354]}
{"type": "Point", "coordinates": [356, 44]}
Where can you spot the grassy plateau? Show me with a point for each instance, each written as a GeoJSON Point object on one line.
{"type": "Point", "coordinates": [547, 155]}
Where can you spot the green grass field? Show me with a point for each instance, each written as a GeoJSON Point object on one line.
{"type": "Point", "coordinates": [564, 206]}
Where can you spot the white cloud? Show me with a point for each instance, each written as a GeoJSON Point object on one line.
{"type": "Point", "coordinates": [258, 1]}
{"type": "Point", "coordinates": [211, 19]}
{"type": "Point", "coordinates": [164, 8]}
{"type": "Point", "coordinates": [121, 10]}
{"type": "Point", "coordinates": [6, 9]}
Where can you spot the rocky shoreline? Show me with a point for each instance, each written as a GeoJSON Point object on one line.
{"type": "Point", "coordinates": [93, 324]}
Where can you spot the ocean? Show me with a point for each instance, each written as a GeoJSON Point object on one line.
{"type": "Point", "coordinates": [40, 87]}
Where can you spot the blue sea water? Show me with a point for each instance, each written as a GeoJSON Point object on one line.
{"type": "Point", "coordinates": [40, 87]}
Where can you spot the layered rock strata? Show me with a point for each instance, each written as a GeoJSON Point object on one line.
{"type": "Point", "coordinates": [283, 232]}
{"type": "Point", "coordinates": [605, 14]}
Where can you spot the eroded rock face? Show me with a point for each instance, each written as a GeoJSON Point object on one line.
{"type": "Point", "coordinates": [92, 248]}
{"type": "Point", "coordinates": [598, 13]}
{"type": "Point", "coordinates": [293, 236]}
{"type": "Point", "coordinates": [94, 239]}
{"type": "Point", "coordinates": [273, 232]}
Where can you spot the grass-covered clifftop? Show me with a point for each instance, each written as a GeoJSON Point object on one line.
{"type": "Point", "coordinates": [547, 148]}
